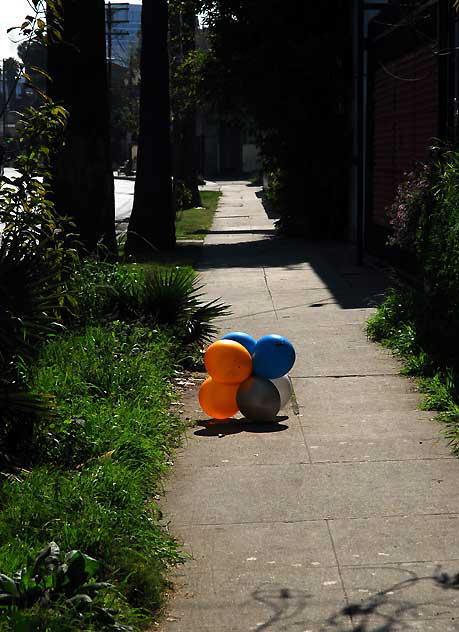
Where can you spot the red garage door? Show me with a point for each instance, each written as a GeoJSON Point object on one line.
{"type": "Point", "coordinates": [406, 120]}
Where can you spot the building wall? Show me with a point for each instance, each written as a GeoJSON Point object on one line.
{"type": "Point", "coordinates": [250, 158]}
{"type": "Point", "coordinates": [406, 106]}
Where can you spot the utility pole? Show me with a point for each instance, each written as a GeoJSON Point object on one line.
{"type": "Point", "coordinates": [5, 100]}
{"type": "Point", "coordinates": [109, 35]}
{"type": "Point", "coordinates": [358, 128]}
{"type": "Point", "coordinates": [359, 167]}
{"type": "Point", "coordinates": [110, 13]}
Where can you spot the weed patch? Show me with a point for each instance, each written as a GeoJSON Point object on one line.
{"type": "Point", "coordinates": [98, 462]}
{"type": "Point", "coordinates": [405, 324]}
{"type": "Point", "coordinates": [195, 223]}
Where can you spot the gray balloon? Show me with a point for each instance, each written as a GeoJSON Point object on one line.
{"type": "Point", "coordinates": [258, 399]}
{"type": "Point", "coordinates": [285, 388]}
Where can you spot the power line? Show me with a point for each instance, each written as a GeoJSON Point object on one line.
{"type": "Point", "coordinates": [110, 13]}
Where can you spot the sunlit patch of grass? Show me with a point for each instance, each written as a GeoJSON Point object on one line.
{"type": "Point", "coordinates": [195, 223]}
{"type": "Point", "coordinates": [99, 461]}
{"type": "Point", "coordinates": [403, 324]}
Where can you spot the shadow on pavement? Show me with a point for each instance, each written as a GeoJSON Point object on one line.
{"type": "Point", "coordinates": [214, 428]}
{"type": "Point", "coordinates": [236, 231]}
{"type": "Point", "coordinates": [286, 605]}
{"type": "Point", "coordinates": [393, 610]}
{"type": "Point", "coordinates": [352, 286]}
{"type": "Point", "coordinates": [389, 610]}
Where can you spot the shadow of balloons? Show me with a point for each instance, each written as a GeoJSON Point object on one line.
{"type": "Point", "coordinates": [215, 428]}
{"type": "Point", "coordinates": [266, 426]}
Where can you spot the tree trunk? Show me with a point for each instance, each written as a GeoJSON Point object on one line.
{"type": "Point", "coordinates": [184, 127]}
{"type": "Point", "coordinates": [152, 223]}
{"type": "Point", "coordinates": [83, 183]}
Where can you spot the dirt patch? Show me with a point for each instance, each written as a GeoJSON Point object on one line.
{"type": "Point", "coordinates": [186, 403]}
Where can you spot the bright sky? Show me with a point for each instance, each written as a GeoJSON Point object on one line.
{"type": "Point", "coordinates": [12, 13]}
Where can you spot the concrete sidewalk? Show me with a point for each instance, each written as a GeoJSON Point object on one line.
{"type": "Point", "coordinates": [340, 516]}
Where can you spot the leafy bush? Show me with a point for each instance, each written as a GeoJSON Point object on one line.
{"type": "Point", "coordinates": [405, 323]}
{"type": "Point", "coordinates": [437, 240]}
{"type": "Point", "coordinates": [106, 291]}
{"type": "Point", "coordinates": [425, 222]}
{"type": "Point", "coordinates": [56, 580]}
{"type": "Point", "coordinates": [35, 264]}
{"type": "Point", "coordinates": [414, 198]}
{"type": "Point", "coordinates": [168, 297]}
{"type": "Point", "coordinates": [182, 196]}
{"type": "Point", "coordinates": [51, 576]}
{"type": "Point", "coordinates": [396, 326]}
{"type": "Point", "coordinates": [172, 297]}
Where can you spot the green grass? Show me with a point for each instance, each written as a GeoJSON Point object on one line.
{"type": "Point", "coordinates": [93, 464]}
{"type": "Point", "coordinates": [191, 225]}
{"type": "Point", "coordinates": [101, 287]}
{"type": "Point", "coordinates": [195, 223]}
{"type": "Point", "coordinates": [98, 463]}
{"type": "Point", "coordinates": [405, 324]}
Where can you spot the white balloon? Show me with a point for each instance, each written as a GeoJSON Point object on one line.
{"type": "Point", "coordinates": [285, 388]}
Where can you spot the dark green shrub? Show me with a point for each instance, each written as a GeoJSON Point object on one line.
{"type": "Point", "coordinates": [420, 323]}
{"type": "Point", "coordinates": [414, 198]}
{"type": "Point", "coordinates": [167, 297]}
{"type": "Point", "coordinates": [106, 291]}
{"type": "Point", "coordinates": [425, 222]}
{"type": "Point", "coordinates": [437, 235]}
{"type": "Point", "coordinates": [53, 580]}
{"type": "Point", "coordinates": [173, 297]}
{"type": "Point", "coordinates": [35, 265]}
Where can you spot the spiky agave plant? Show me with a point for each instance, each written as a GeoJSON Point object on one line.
{"type": "Point", "coordinates": [173, 297]}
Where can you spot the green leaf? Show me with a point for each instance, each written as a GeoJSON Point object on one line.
{"type": "Point", "coordinates": [48, 558]}
{"type": "Point", "coordinates": [40, 71]}
{"type": "Point", "coordinates": [93, 589]}
{"type": "Point", "coordinates": [80, 602]}
{"type": "Point", "coordinates": [8, 585]}
{"type": "Point", "coordinates": [6, 599]}
{"type": "Point", "coordinates": [81, 567]}
{"type": "Point", "coordinates": [25, 580]}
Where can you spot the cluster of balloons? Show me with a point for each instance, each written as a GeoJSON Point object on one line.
{"type": "Point", "coordinates": [248, 376]}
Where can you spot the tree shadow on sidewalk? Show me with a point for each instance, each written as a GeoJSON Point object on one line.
{"type": "Point", "coordinates": [392, 609]}
{"type": "Point", "coordinates": [352, 286]}
{"type": "Point", "coordinates": [286, 605]}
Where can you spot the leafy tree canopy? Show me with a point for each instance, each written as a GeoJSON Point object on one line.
{"type": "Point", "coordinates": [286, 66]}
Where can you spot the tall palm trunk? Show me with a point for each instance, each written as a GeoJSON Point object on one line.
{"type": "Point", "coordinates": [83, 183]}
{"type": "Point", "coordinates": [152, 222]}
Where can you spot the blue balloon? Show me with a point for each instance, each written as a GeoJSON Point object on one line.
{"type": "Point", "coordinates": [273, 356]}
{"type": "Point", "coordinates": [243, 339]}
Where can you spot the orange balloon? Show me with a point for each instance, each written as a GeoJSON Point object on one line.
{"type": "Point", "coordinates": [218, 400]}
{"type": "Point", "coordinates": [228, 362]}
